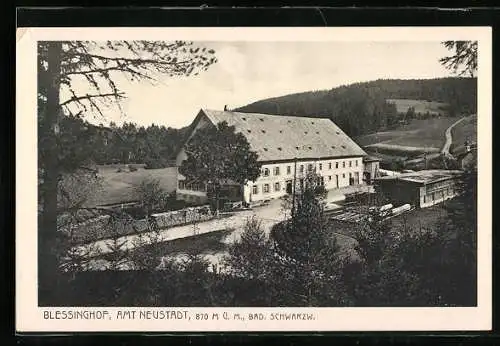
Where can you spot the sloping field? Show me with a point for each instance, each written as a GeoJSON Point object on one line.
{"type": "Point", "coordinates": [420, 106]}
{"type": "Point", "coordinates": [421, 135]}
{"type": "Point", "coordinates": [467, 129]}
{"type": "Point", "coordinates": [401, 149]}
{"type": "Point", "coordinates": [119, 187]}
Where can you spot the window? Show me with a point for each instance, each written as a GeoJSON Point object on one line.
{"type": "Point", "coordinates": [288, 170]}
{"type": "Point", "coordinates": [343, 175]}
{"type": "Point", "coordinates": [343, 164]}
{"type": "Point", "coordinates": [329, 178]}
{"type": "Point", "coordinates": [329, 165]}
{"type": "Point", "coordinates": [266, 172]}
{"type": "Point", "coordinates": [181, 185]}
{"type": "Point", "coordinates": [276, 187]}
{"type": "Point", "coordinates": [424, 199]}
{"type": "Point", "coordinates": [255, 189]}
{"type": "Point", "coordinates": [301, 168]}
{"type": "Point", "coordinates": [276, 171]}
{"type": "Point", "coordinates": [310, 167]}
{"type": "Point", "coordinates": [336, 165]}
{"type": "Point", "coordinates": [320, 166]}
{"type": "Point", "coordinates": [350, 163]}
{"type": "Point", "coordinates": [356, 163]}
{"type": "Point", "coordinates": [266, 188]}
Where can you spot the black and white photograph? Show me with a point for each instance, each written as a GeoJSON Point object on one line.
{"type": "Point", "coordinates": [247, 173]}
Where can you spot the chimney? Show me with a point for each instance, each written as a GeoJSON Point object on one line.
{"type": "Point", "coordinates": [225, 108]}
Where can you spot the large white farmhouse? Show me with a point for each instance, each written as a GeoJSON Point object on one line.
{"type": "Point", "coordinates": [283, 143]}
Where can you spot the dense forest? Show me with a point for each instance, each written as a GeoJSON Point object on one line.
{"type": "Point", "coordinates": [155, 146]}
{"type": "Point", "coordinates": [361, 108]}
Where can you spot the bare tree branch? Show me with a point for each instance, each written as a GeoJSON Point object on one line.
{"type": "Point", "coordinates": [89, 97]}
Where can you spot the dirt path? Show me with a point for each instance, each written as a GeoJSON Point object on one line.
{"type": "Point", "coordinates": [449, 140]}
{"type": "Point", "coordinates": [269, 215]}
{"type": "Point", "coordinates": [445, 150]}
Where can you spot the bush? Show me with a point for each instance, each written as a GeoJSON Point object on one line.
{"type": "Point", "coordinates": [397, 165]}
{"type": "Point", "coordinates": [155, 163]}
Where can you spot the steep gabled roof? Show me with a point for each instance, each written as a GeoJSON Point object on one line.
{"type": "Point", "coordinates": [276, 137]}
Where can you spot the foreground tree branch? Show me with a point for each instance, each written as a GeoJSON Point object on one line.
{"type": "Point", "coordinates": [87, 72]}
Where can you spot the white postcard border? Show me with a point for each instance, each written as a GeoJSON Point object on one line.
{"type": "Point", "coordinates": [30, 317]}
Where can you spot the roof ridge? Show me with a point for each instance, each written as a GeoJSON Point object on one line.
{"type": "Point", "coordinates": [265, 114]}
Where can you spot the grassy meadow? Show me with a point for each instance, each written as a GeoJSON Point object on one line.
{"type": "Point", "coordinates": [119, 187]}
{"type": "Point", "coordinates": [420, 106]}
{"type": "Point", "coordinates": [418, 137]}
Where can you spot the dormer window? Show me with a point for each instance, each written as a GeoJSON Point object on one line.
{"type": "Point", "coordinates": [249, 131]}
{"type": "Point", "coordinates": [265, 149]}
{"type": "Point", "coordinates": [261, 119]}
{"type": "Point", "coordinates": [263, 131]}
{"type": "Point", "coordinates": [244, 118]}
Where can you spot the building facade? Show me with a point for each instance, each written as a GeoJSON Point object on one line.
{"type": "Point", "coordinates": [288, 148]}
{"type": "Point", "coordinates": [421, 189]}
{"type": "Point", "coordinates": [276, 179]}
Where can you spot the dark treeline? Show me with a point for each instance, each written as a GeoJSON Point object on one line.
{"type": "Point", "coordinates": [153, 145]}
{"type": "Point", "coordinates": [361, 108]}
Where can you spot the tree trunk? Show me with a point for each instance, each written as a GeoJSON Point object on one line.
{"type": "Point", "coordinates": [47, 231]}
{"type": "Point", "coordinates": [217, 198]}
{"type": "Point", "coordinates": [242, 193]}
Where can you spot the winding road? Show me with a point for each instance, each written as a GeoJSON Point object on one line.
{"type": "Point", "coordinates": [446, 147]}
{"type": "Point", "coordinates": [445, 150]}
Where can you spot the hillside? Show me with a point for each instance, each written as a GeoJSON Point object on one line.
{"type": "Point", "coordinates": [420, 107]}
{"type": "Point", "coordinates": [362, 108]}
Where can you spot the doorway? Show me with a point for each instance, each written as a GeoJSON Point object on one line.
{"type": "Point", "coordinates": [289, 187]}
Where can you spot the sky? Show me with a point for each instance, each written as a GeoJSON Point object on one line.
{"type": "Point", "coordinates": [250, 71]}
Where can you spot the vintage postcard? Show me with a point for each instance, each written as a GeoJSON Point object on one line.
{"type": "Point", "coordinates": [253, 179]}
